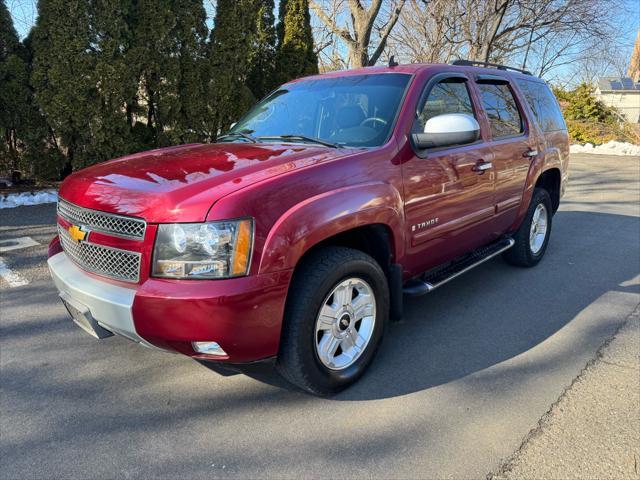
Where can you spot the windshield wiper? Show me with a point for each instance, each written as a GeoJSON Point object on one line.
{"type": "Point", "coordinates": [246, 136]}
{"type": "Point", "coordinates": [304, 138]}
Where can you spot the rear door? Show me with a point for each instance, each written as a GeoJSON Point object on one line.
{"type": "Point", "coordinates": [513, 143]}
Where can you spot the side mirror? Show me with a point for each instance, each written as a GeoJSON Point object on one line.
{"type": "Point", "coordinates": [447, 130]}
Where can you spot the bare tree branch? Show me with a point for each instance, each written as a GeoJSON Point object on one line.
{"type": "Point", "coordinates": [385, 33]}
{"type": "Point", "coordinates": [363, 18]}
{"type": "Point", "coordinates": [343, 33]}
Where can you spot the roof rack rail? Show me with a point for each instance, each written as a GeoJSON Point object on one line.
{"type": "Point", "coordinates": [470, 63]}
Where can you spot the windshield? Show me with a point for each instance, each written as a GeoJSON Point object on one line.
{"type": "Point", "coordinates": [352, 111]}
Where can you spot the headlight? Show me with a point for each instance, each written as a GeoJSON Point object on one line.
{"type": "Point", "coordinates": [203, 250]}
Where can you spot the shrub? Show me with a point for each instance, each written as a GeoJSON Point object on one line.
{"type": "Point", "coordinates": [589, 120]}
{"type": "Point", "coordinates": [582, 131]}
{"type": "Point", "coordinates": [581, 103]}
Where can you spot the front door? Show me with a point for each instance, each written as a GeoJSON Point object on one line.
{"type": "Point", "coordinates": [449, 201]}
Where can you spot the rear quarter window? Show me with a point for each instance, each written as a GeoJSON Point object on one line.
{"type": "Point", "coordinates": [543, 104]}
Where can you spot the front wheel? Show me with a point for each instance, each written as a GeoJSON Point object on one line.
{"type": "Point", "coordinates": [337, 309]}
{"type": "Point", "coordinates": [533, 235]}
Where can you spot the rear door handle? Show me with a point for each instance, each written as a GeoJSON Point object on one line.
{"type": "Point", "coordinates": [480, 167]}
{"type": "Point", "coordinates": [530, 153]}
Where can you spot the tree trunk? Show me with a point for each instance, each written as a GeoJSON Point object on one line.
{"type": "Point", "coordinates": [358, 57]}
{"type": "Point", "coordinates": [493, 31]}
{"type": "Point", "coordinates": [362, 21]}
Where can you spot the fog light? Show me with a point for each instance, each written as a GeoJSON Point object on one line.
{"type": "Point", "coordinates": [209, 348]}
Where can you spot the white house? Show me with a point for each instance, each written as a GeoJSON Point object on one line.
{"type": "Point", "coordinates": [622, 93]}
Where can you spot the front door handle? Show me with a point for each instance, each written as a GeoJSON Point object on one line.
{"type": "Point", "coordinates": [480, 167]}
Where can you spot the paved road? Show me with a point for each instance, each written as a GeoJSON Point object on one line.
{"type": "Point", "coordinates": [456, 387]}
{"type": "Point", "coordinates": [593, 431]}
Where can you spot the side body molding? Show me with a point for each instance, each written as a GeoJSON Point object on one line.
{"type": "Point", "coordinates": [325, 215]}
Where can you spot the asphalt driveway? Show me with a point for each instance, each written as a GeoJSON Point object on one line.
{"type": "Point", "coordinates": [456, 387]}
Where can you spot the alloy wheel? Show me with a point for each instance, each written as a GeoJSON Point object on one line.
{"type": "Point", "coordinates": [345, 323]}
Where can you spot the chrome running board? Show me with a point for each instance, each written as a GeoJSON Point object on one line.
{"type": "Point", "coordinates": [438, 277]}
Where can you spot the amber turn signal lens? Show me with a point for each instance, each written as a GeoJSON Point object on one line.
{"type": "Point", "coordinates": [242, 248]}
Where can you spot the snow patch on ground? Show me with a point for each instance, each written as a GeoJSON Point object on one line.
{"type": "Point", "coordinates": [609, 148]}
{"type": "Point", "coordinates": [28, 198]}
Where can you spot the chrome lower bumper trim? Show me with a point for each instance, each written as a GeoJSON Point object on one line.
{"type": "Point", "coordinates": [110, 305]}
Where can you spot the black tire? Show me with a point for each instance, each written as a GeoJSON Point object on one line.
{"type": "Point", "coordinates": [521, 253]}
{"type": "Point", "coordinates": [313, 280]}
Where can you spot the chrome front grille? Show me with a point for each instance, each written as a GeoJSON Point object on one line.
{"type": "Point", "coordinates": [109, 223]}
{"type": "Point", "coordinates": [108, 261]}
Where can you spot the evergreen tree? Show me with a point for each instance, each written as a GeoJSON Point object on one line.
{"type": "Point", "coordinates": [12, 89]}
{"type": "Point", "coordinates": [167, 56]}
{"type": "Point", "coordinates": [24, 137]}
{"type": "Point", "coordinates": [41, 156]}
{"type": "Point", "coordinates": [8, 35]}
{"type": "Point", "coordinates": [582, 104]}
{"type": "Point", "coordinates": [296, 56]}
{"type": "Point", "coordinates": [262, 55]}
{"type": "Point", "coordinates": [231, 41]}
{"type": "Point", "coordinates": [282, 9]}
{"type": "Point", "coordinates": [62, 75]}
{"type": "Point", "coordinates": [115, 79]}
{"type": "Point", "coordinates": [191, 36]}
{"type": "Point", "coordinates": [116, 76]}
{"type": "Point", "coordinates": [152, 57]}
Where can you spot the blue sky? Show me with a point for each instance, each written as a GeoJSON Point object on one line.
{"type": "Point", "coordinates": [24, 15]}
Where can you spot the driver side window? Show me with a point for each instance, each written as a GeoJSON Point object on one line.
{"type": "Point", "coordinates": [444, 97]}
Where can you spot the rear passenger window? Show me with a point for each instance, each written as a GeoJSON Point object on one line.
{"type": "Point", "coordinates": [543, 104]}
{"type": "Point", "coordinates": [502, 110]}
{"type": "Point", "coordinates": [445, 97]}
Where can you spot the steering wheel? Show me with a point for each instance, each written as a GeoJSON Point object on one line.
{"type": "Point", "coordinates": [373, 120]}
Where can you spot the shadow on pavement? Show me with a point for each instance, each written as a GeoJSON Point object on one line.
{"type": "Point", "coordinates": [496, 311]}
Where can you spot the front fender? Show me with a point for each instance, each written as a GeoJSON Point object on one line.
{"type": "Point", "coordinates": [322, 216]}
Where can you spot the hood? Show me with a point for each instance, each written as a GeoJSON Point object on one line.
{"type": "Point", "coordinates": [182, 183]}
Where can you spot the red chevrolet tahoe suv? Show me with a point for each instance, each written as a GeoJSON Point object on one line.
{"type": "Point", "coordinates": [294, 238]}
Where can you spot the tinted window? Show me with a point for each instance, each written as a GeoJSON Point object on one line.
{"type": "Point", "coordinates": [501, 108]}
{"type": "Point", "coordinates": [354, 110]}
{"type": "Point", "coordinates": [543, 104]}
{"type": "Point", "coordinates": [445, 97]}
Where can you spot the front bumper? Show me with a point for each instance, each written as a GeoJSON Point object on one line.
{"type": "Point", "coordinates": [243, 315]}
{"type": "Point", "coordinates": [110, 305]}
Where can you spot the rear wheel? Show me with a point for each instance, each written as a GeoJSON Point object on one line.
{"type": "Point", "coordinates": [533, 235]}
{"type": "Point", "coordinates": [334, 321]}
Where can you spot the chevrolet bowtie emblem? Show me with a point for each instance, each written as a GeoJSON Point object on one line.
{"type": "Point", "coordinates": [77, 233]}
